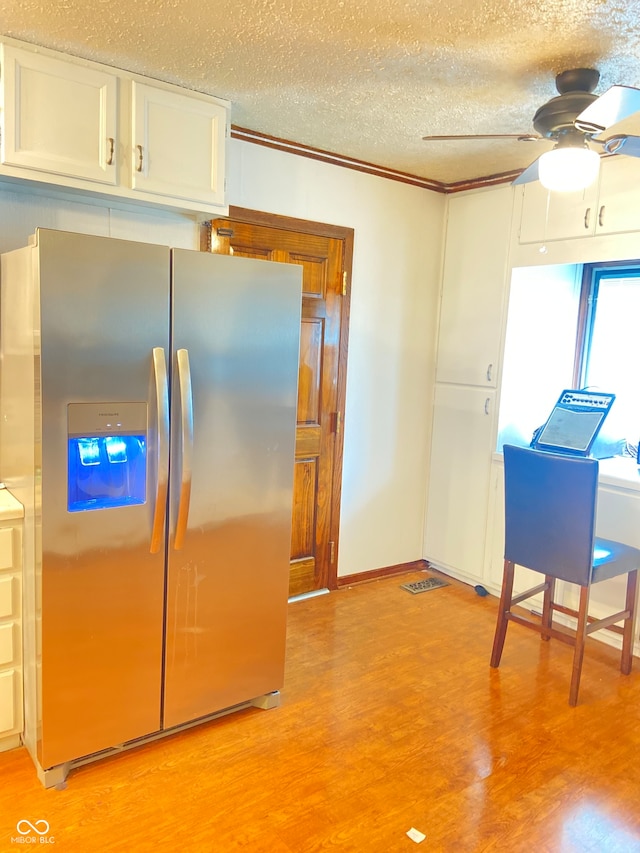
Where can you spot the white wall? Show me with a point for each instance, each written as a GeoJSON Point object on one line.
{"type": "Point", "coordinates": [396, 272]}
{"type": "Point", "coordinates": [395, 287]}
{"type": "Point", "coordinates": [22, 211]}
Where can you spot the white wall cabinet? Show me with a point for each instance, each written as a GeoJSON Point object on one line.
{"type": "Point", "coordinates": [557, 216]}
{"type": "Point", "coordinates": [10, 620]}
{"type": "Point", "coordinates": [84, 127]}
{"type": "Point", "coordinates": [463, 431]}
{"type": "Point", "coordinates": [606, 207]}
{"type": "Point", "coordinates": [618, 209]}
{"type": "Point", "coordinates": [473, 289]}
{"type": "Point", "coordinates": [178, 145]}
{"type": "Point", "coordinates": [59, 117]}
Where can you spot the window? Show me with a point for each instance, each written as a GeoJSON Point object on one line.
{"type": "Point", "coordinates": [572, 326]}
{"type": "Point", "coordinates": [608, 358]}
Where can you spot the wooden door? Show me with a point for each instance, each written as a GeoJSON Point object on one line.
{"type": "Point", "coordinates": [325, 259]}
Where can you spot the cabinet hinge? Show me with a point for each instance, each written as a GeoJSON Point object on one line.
{"type": "Point", "coordinates": [344, 283]}
{"type": "Point", "coordinates": [332, 551]}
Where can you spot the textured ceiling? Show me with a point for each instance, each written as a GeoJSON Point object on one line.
{"type": "Point", "coordinates": [365, 79]}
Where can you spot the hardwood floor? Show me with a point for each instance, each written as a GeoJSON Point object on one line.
{"type": "Point", "coordinates": [391, 718]}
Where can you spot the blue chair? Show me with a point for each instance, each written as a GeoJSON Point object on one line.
{"type": "Point", "coordinates": [550, 514]}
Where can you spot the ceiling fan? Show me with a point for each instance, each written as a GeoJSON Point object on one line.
{"type": "Point", "coordinates": [573, 119]}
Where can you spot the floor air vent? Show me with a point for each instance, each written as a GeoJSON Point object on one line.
{"type": "Point", "coordinates": [423, 586]}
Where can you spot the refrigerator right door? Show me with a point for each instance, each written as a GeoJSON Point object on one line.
{"type": "Point", "coordinates": [236, 326]}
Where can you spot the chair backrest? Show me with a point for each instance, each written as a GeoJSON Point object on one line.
{"type": "Point", "coordinates": [550, 511]}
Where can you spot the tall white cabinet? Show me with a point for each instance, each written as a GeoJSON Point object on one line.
{"type": "Point", "coordinates": [467, 372]}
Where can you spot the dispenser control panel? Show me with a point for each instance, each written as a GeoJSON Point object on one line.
{"type": "Point", "coordinates": [107, 418]}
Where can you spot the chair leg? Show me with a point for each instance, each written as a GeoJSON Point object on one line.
{"type": "Point", "coordinates": [505, 606]}
{"type": "Point", "coordinates": [629, 624]}
{"type": "Point", "coordinates": [581, 637]}
{"type": "Point", "coordinates": [547, 607]}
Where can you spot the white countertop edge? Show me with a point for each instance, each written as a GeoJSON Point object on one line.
{"type": "Point", "coordinates": [620, 472]}
{"type": "Point", "coordinates": [10, 507]}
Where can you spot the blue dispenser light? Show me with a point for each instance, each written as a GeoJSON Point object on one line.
{"type": "Point", "coordinates": [107, 465]}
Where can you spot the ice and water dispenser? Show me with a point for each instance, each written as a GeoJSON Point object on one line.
{"type": "Point", "coordinates": [107, 447]}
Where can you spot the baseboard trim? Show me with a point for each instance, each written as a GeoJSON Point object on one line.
{"type": "Point", "coordinates": [384, 572]}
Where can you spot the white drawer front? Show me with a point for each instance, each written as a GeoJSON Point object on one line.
{"type": "Point", "coordinates": [7, 700]}
{"type": "Point", "coordinates": [6, 643]}
{"type": "Point", "coordinates": [6, 547]}
{"type": "Point", "coordinates": [6, 596]}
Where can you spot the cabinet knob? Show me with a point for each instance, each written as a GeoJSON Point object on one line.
{"type": "Point", "coordinates": [489, 372]}
{"type": "Point", "coordinates": [601, 216]}
{"type": "Point", "coordinates": [486, 405]}
{"type": "Point", "coordinates": [587, 217]}
{"type": "Point", "coordinates": [111, 142]}
{"type": "Point", "coordinates": [140, 158]}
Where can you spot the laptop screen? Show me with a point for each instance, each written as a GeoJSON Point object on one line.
{"type": "Point", "coordinates": [574, 422]}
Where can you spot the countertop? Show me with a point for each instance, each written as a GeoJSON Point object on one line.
{"type": "Point", "coordinates": [9, 506]}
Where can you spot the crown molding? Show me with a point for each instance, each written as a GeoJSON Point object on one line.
{"type": "Point", "coordinates": [290, 147]}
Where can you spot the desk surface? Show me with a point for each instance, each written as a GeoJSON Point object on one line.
{"type": "Point", "coordinates": [619, 471]}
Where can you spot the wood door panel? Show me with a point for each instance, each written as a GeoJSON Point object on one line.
{"type": "Point", "coordinates": [309, 373]}
{"type": "Point", "coordinates": [252, 253]}
{"type": "Point", "coordinates": [308, 440]}
{"type": "Point", "coordinates": [314, 276]}
{"type": "Point", "coordinates": [318, 449]}
{"type": "Point", "coordinates": [305, 486]}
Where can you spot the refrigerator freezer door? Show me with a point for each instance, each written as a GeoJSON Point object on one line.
{"type": "Point", "coordinates": [104, 315]}
{"type": "Point", "coordinates": [239, 321]}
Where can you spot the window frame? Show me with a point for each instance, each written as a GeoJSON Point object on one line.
{"type": "Point", "coordinates": [592, 274]}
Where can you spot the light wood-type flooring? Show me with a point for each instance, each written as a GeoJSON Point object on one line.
{"type": "Point", "coordinates": [390, 719]}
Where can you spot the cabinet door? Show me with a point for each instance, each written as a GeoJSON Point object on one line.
{"type": "Point", "coordinates": [59, 117]}
{"type": "Point", "coordinates": [178, 145]}
{"type": "Point", "coordinates": [618, 208]}
{"type": "Point", "coordinates": [461, 450]}
{"type": "Point", "coordinates": [478, 233]}
{"type": "Point", "coordinates": [550, 216]}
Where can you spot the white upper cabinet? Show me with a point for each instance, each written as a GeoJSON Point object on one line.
{"type": "Point", "coordinates": [59, 117]}
{"type": "Point", "coordinates": [557, 216]}
{"type": "Point", "coordinates": [178, 144]}
{"type": "Point", "coordinates": [618, 208]}
{"type": "Point", "coordinates": [90, 128]}
{"type": "Point", "coordinates": [605, 207]}
{"type": "Point", "coordinates": [473, 290]}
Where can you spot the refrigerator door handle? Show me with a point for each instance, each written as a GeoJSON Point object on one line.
{"type": "Point", "coordinates": [186, 429]}
{"type": "Point", "coordinates": [162, 462]}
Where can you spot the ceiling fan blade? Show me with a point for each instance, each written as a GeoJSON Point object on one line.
{"type": "Point", "coordinates": [530, 174]}
{"type": "Point", "coordinates": [629, 145]}
{"type": "Point", "coordinates": [617, 103]}
{"type": "Point", "coordinates": [523, 137]}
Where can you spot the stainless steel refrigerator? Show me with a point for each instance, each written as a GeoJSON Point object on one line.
{"type": "Point", "coordinates": [147, 424]}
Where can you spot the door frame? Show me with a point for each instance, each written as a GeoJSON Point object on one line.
{"type": "Point", "coordinates": [346, 235]}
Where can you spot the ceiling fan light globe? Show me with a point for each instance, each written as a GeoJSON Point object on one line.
{"type": "Point", "coordinates": [568, 169]}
